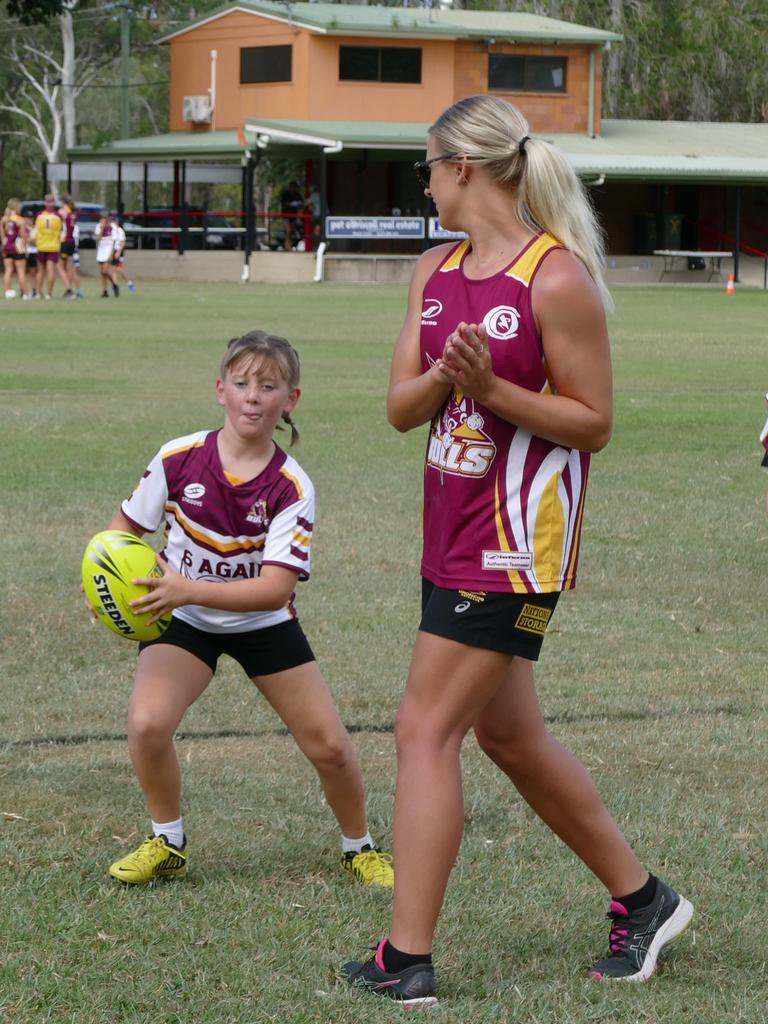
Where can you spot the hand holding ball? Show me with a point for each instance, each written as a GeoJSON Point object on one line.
{"type": "Point", "coordinates": [112, 560]}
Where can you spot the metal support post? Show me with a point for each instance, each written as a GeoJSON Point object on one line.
{"type": "Point", "coordinates": [737, 247]}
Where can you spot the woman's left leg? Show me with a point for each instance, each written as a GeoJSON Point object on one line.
{"type": "Point", "coordinates": [21, 271]}
{"type": "Point", "coordinates": [512, 732]}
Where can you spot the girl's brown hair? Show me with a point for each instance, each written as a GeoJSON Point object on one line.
{"type": "Point", "coordinates": [260, 345]}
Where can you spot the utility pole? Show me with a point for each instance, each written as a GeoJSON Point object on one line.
{"type": "Point", "coordinates": [125, 52]}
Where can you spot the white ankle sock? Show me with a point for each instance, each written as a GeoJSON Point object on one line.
{"type": "Point", "coordinates": [172, 830]}
{"type": "Point", "coordinates": [356, 845]}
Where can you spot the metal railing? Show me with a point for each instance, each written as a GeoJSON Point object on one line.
{"type": "Point", "coordinates": [202, 229]}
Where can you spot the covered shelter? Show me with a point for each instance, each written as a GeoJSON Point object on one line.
{"type": "Point", "coordinates": [351, 89]}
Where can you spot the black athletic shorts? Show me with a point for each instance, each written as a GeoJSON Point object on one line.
{"type": "Point", "coordinates": [510, 623]}
{"type": "Point", "coordinates": [260, 652]}
{"type": "Point", "coordinates": [67, 248]}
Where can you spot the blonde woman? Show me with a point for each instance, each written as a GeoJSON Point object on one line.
{"type": "Point", "coordinates": [13, 238]}
{"type": "Point", "coordinates": [504, 352]}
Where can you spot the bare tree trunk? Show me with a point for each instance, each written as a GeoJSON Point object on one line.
{"type": "Point", "coordinates": [613, 62]}
{"type": "Point", "coordinates": [68, 72]}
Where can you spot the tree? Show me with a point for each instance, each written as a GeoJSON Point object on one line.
{"type": "Point", "coordinates": [35, 12]}
{"type": "Point", "coordinates": [47, 75]}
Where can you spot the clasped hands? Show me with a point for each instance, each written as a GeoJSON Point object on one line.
{"type": "Point", "coordinates": [466, 360]}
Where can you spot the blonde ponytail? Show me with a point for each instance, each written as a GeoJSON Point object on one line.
{"type": "Point", "coordinates": [548, 194]}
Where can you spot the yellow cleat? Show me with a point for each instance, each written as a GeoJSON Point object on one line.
{"type": "Point", "coordinates": [370, 866]}
{"type": "Point", "coordinates": [155, 858]}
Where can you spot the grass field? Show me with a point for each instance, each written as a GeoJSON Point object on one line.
{"type": "Point", "coordinates": [654, 674]}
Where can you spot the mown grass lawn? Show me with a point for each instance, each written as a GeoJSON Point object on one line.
{"type": "Point", "coordinates": [653, 673]}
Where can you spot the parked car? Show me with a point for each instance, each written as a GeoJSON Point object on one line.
{"type": "Point", "coordinates": [159, 228]}
{"type": "Point", "coordinates": [88, 216]}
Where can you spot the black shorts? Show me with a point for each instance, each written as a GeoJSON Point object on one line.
{"type": "Point", "coordinates": [31, 260]}
{"type": "Point", "coordinates": [510, 623]}
{"type": "Point", "coordinates": [67, 248]}
{"type": "Point", "coordinates": [14, 255]}
{"type": "Point", "coordinates": [260, 652]}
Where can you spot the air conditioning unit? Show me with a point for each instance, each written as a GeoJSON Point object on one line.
{"type": "Point", "coordinates": [197, 109]}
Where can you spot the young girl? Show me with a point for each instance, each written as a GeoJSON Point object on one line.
{"type": "Point", "coordinates": [69, 259]}
{"type": "Point", "coordinates": [13, 241]}
{"type": "Point", "coordinates": [505, 351]}
{"type": "Point", "coordinates": [105, 234]}
{"type": "Point", "coordinates": [239, 513]}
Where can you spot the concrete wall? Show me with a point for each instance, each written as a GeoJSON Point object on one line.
{"type": "Point", "coordinates": [266, 267]}
{"type": "Point", "coordinates": [299, 268]}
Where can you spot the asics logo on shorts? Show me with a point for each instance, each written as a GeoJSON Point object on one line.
{"type": "Point", "coordinates": [463, 606]}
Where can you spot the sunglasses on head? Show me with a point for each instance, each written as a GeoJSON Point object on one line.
{"type": "Point", "coordinates": [423, 168]}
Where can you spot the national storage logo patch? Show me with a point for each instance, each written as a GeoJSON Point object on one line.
{"type": "Point", "coordinates": [533, 619]}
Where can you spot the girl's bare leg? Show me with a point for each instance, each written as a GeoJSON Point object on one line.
{"type": "Point", "coordinates": [303, 701]}
{"type": "Point", "coordinates": [168, 681]}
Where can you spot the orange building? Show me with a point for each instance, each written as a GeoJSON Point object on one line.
{"type": "Point", "coordinates": [257, 59]}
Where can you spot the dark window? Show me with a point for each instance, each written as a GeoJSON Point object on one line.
{"type": "Point", "coordinates": [380, 64]}
{"type": "Point", "coordinates": [265, 64]}
{"type": "Point", "coordinates": [526, 74]}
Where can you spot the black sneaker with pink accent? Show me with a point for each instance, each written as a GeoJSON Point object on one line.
{"type": "Point", "coordinates": [638, 937]}
{"type": "Point", "coordinates": [414, 987]}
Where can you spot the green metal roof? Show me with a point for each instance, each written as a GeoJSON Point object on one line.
{"type": "Point", "coordinates": [170, 146]}
{"type": "Point", "coordinates": [671, 150]}
{"type": "Point", "coordinates": [630, 150]}
{"type": "Point", "coordinates": [421, 22]}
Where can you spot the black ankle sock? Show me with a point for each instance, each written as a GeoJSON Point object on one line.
{"type": "Point", "coordinates": [395, 960]}
{"type": "Point", "coordinates": [641, 897]}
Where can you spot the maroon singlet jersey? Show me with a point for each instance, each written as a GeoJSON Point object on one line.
{"type": "Point", "coordinates": [12, 228]}
{"type": "Point", "coordinates": [502, 507]}
{"type": "Point", "coordinates": [69, 217]}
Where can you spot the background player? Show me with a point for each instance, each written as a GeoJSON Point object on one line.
{"type": "Point", "coordinates": [68, 214]}
{"type": "Point", "coordinates": [511, 365]}
{"type": "Point", "coordinates": [48, 234]}
{"type": "Point", "coordinates": [105, 234]}
{"type": "Point", "coordinates": [13, 242]}
{"type": "Point", "coordinates": [764, 442]}
{"type": "Point", "coordinates": [33, 268]}
{"type": "Point", "coordinates": [118, 258]}
{"type": "Point", "coordinates": [239, 514]}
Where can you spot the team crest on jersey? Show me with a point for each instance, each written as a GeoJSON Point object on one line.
{"type": "Point", "coordinates": [502, 322]}
{"type": "Point", "coordinates": [458, 444]}
{"type": "Point", "coordinates": [258, 514]}
{"type": "Point", "coordinates": [193, 493]}
{"type": "Point", "coordinates": [431, 309]}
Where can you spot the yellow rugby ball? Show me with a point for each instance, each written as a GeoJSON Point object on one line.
{"type": "Point", "coordinates": [112, 560]}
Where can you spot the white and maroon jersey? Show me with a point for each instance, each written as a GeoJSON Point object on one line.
{"type": "Point", "coordinates": [219, 529]}
{"type": "Point", "coordinates": [119, 239]}
{"type": "Point", "coordinates": [106, 238]}
{"type": "Point", "coordinates": [502, 507]}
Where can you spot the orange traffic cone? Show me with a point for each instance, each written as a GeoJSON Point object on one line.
{"type": "Point", "coordinates": [730, 288]}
